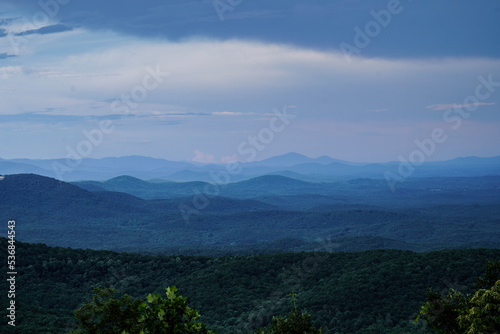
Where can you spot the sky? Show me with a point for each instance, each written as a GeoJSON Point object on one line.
{"type": "Point", "coordinates": [211, 81]}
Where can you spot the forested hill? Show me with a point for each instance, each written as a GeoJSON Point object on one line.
{"type": "Point", "coordinates": [427, 215]}
{"type": "Point", "coordinates": [378, 291]}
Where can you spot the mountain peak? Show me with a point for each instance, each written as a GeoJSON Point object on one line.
{"type": "Point", "coordinates": [126, 180]}
{"type": "Point", "coordinates": [288, 159]}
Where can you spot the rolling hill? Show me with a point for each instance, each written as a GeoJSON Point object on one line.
{"type": "Point", "coordinates": [62, 214]}
{"type": "Point", "coordinates": [379, 291]}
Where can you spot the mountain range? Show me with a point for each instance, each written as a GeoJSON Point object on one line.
{"type": "Point", "coordinates": [291, 165]}
{"type": "Point", "coordinates": [129, 214]}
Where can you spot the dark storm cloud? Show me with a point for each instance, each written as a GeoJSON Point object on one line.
{"type": "Point", "coordinates": [446, 30]}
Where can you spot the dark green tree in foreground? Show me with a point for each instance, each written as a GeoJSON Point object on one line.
{"type": "Point", "coordinates": [478, 313]}
{"type": "Point", "coordinates": [108, 314]}
{"type": "Point", "coordinates": [483, 315]}
{"type": "Point", "coordinates": [295, 323]}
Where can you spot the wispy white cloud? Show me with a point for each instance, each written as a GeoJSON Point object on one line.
{"type": "Point", "coordinates": [439, 107]}
{"type": "Point", "coordinates": [8, 72]}
{"type": "Point", "coordinates": [231, 113]}
{"type": "Point", "coordinates": [379, 110]}
{"type": "Point", "coordinates": [49, 29]}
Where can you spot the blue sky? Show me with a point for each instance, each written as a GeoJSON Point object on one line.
{"type": "Point", "coordinates": [196, 80]}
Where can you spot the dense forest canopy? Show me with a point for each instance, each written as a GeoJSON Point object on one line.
{"type": "Point", "coordinates": [358, 292]}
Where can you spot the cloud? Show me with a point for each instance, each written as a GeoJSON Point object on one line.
{"type": "Point", "coordinates": [185, 114]}
{"type": "Point", "coordinates": [321, 25]}
{"type": "Point", "coordinates": [215, 64]}
{"type": "Point", "coordinates": [242, 66]}
{"type": "Point", "coordinates": [3, 32]}
{"type": "Point", "coordinates": [379, 110]}
{"type": "Point", "coordinates": [6, 55]}
{"type": "Point", "coordinates": [231, 113]}
{"type": "Point", "coordinates": [8, 72]}
{"type": "Point", "coordinates": [201, 157]}
{"type": "Point", "coordinates": [44, 117]}
{"type": "Point", "coordinates": [41, 118]}
{"type": "Point", "coordinates": [235, 77]}
{"type": "Point", "coordinates": [5, 21]}
{"type": "Point", "coordinates": [52, 29]}
{"type": "Point", "coordinates": [439, 107]}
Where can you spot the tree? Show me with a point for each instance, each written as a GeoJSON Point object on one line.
{"type": "Point", "coordinates": [483, 315]}
{"type": "Point", "coordinates": [125, 315]}
{"type": "Point", "coordinates": [295, 323]}
{"type": "Point", "coordinates": [466, 314]}
{"type": "Point", "coordinates": [441, 311]}
{"type": "Point", "coordinates": [171, 315]}
{"type": "Point", "coordinates": [108, 313]}
{"type": "Point", "coordinates": [490, 277]}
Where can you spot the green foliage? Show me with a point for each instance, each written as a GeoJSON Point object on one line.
{"type": "Point", "coordinates": [441, 312]}
{"type": "Point", "coordinates": [108, 314]}
{"type": "Point", "coordinates": [483, 312]}
{"type": "Point", "coordinates": [368, 292]}
{"type": "Point", "coordinates": [170, 315]}
{"type": "Point", "coordinates": [490, 277]}
{"type": "Point", "coordinates": [296, 322]}
{"type": "Point", "coordinates": [477, 313]}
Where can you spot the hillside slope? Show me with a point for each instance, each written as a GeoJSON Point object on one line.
{"type": "Point", "coordinates": [365, 292]}
{"type": "Point", "coordinates": [61, 214]}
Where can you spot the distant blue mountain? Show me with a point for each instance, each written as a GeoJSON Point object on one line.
{"type": "Point", "coordinates": [292, 159]}
{"type": "Point", "coordinates": [441, 212]}
{"type": "Point", "coordinates": [11, 167]}
{"type": "Point", "coordinates": [293, 165]}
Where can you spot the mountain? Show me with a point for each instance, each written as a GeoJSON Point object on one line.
{"type": "Point", "coordinates": [465, 166]}
{"type": "Point", "coordinates": [95, 169]}
{"type": "Point", "coordinates": [288, 193]}
{"type": "Point", "coordinates": [11, 167]}
{"type": "Point", "coordinates": [25, 196]}
{"type": "Point", "coordinates": [259, 211]}
{"type": "Point", "coordinates": [260, 186]}
{"type": "Point", "coordinates": [126, 181]}
{"type": "Point", "coordinates": [41, 191]}
{"type": "Point", "coordinates": [276, 185]}
{"type": "Point", "coordinates": [144, 189]}
{"type": "Point", "coordinates": [291, 164]}
{"type": "Point", "coordinates": [273, 181]}
{"type": "Point", "coordinates": [339, 170]}
{"type": "Point", "coordinates": [205, 174]}
{"type": "Point", "coordinates": [292, 159]}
